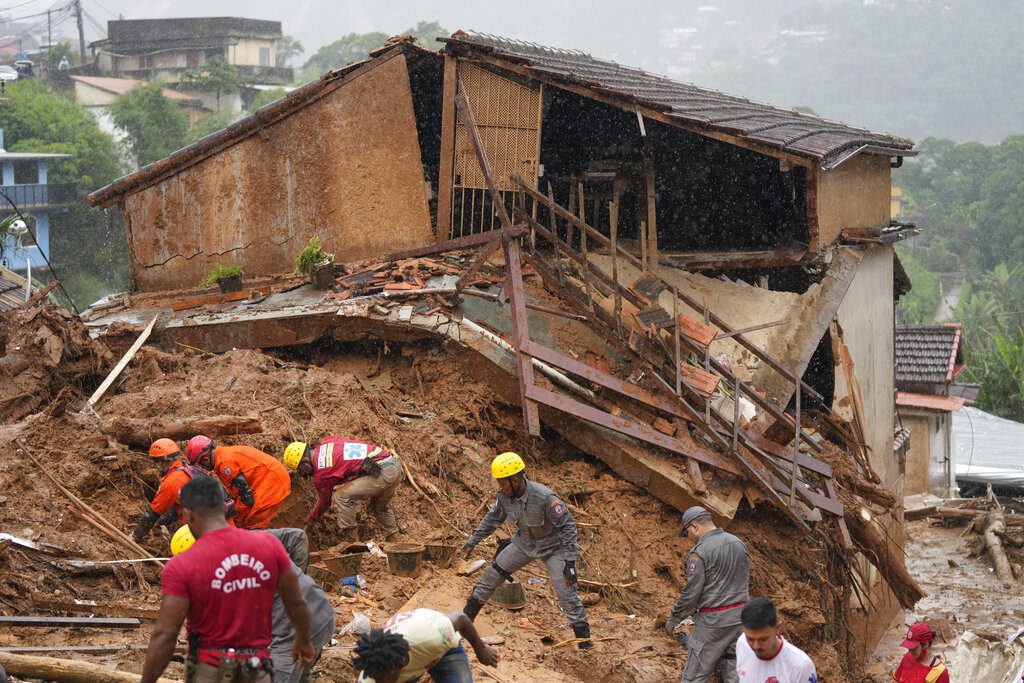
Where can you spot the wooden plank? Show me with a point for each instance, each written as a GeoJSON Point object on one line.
{"type": "Point", "coordinates": [459, 243]}
{"type": "Point", "coordinates": [520, 335]}
{"type": "Point", "coordinates": [69, 622]}
{"type": "Point", "coordinates": [90, 607]}
{"type": "Point", "coordinates": [446, 175]}
{"type": "Point", "coordinates": [41, 294]}
{"type": "Point", "coordinates": [121, 364]}
{"type": "Point", "coordinates": [652, 217]}
{"type": "Point", "coordinates": [214, 298]}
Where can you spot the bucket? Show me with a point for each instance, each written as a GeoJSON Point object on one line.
{"type": "Point", "coordinates": [511, 596]}
{"type": "Point", "coordinates": [344, 565]}
{"type": "Point", "coordinates": [440, 554]}
{"type": "Point", "coordinates": [404, 558]}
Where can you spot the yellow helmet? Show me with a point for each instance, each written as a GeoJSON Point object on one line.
{"type": "Point", "coordinates": [293, 454]}
{"type": "Point", "coordinates": [182, 540]}
{"type": "Point", "coordinates": [507, 464]}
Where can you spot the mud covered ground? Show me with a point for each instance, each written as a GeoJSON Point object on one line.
{"type": "Point", "coordinates": [627, 536]}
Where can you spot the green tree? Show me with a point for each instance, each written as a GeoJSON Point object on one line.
{"type": "Point", "coordinates": [352, 47]}
{"type": "Point", "coordinates": [215, 76]}
{"type": "Point", "coordinates": [155, 125]}
{"type": "Point", "coordinates": [426, 33]}
{"type": "Point", "coordinates": [87, 247]}
{"type": "Point", "coordinates": [287, 49]}
{"type": "Point", "coordinates": [265, 97]}
{"type": "Point", "coordinates": [51, 60]}
{"type": "Point", "coordinates": [209, 124]}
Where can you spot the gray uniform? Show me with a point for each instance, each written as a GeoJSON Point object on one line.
{"type": "Point", "coordinates": [717, 578]}
{"type": "Point", "coordinates": [545, 531]}
{"type": "Point", "coordinates": [321, 612]}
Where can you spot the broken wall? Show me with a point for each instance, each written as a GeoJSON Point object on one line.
{"type": "Point", "coordinates": [346, 168]}
{"type": "Point", "coordinates": [854, 195]}
{"type": "Point", "coordinates": [867, 319]}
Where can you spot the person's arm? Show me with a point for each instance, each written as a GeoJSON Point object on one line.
{"type": "Point", "coordinates": [298, 613]}
{"type": "Point", "coordinates": [484, 652]}
{"type": "Point", "coordinates": [325, 492]}
{"type": "Point", "coordinates": [245, 493]}
{"type": "Point", "coordinates": [491, 521]}
{"type": "Point", "coordinates": [687, 601]}
{"type": "Point", "coordinates": [164, 637]}
{"type": "Point", "coordinates": [146, 522]}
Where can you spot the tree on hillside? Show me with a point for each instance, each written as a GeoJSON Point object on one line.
{"type": "Point", "coordinates": [215, 76]}
{"type": "Point", "coordinates": [87, 247]}
{"type": "Point", "coordinates": [209, 124]}
{"type": "Point", "coordinates": [287, 49]}
{"type": "Point", "coordinates": [154, 124]}
{"type": "Point", "coordinates": [356, 47]}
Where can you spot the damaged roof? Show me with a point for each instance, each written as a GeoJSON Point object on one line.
{"type": "Point", "coordinates": [928, 354]}
{"type": "Point", "coordinates": [811, 137]}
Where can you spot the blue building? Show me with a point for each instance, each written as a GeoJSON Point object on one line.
{"type": "Point", "coordinates": [25, 184]}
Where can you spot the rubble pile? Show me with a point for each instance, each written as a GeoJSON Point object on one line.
{"type": "Point", "coordinates": [415, 399]}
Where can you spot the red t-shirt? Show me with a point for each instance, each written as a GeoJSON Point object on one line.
{"type": "Point", "coordinates": [229, 577]}
{"type": "Point", "coordinates": [912, 671]}
{"type": "Point", "coordinates": [336, 461]}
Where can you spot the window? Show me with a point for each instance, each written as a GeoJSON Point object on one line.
{"type": "Point", "coordinates": [26, 172]}
{"type": "Point", "coordinates": [264, 56]}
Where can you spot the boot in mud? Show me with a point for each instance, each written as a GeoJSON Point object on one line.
{"type": "Point", "coordinates": [582, 630]}
{"type": "Point", "coordinates": [472, 608]}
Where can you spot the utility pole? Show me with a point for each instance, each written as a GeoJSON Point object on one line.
{"type": "Point", "coordinates": [77, 5]}
{"type": "Point", "coordinates": [49, 31]}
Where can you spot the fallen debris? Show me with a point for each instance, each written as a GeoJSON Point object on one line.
{"type": "Point", "coordinates": [65, 670]}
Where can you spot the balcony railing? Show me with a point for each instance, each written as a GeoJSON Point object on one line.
{"type": "Point", "coordinates": [273, 75]}
{"type": "Point", "coordinates": [36, 196]}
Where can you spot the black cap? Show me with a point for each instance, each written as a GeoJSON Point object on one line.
{"type": "Point", "coordinates": [691, 515]}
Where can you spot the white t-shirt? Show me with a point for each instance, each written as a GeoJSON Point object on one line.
{"type": "Point", "coordinates": [430, 635]}
{"type": "Point", "coordinates": [790, 665]}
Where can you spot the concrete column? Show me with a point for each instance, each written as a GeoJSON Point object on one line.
{"type": "Point", "coordinates": [8, 173]}
{"type": "Point", "coordinates": [42, 172]}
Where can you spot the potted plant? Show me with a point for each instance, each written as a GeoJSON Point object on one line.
{"type": "Point", "coordinates": [228, 278]}
{"type": "Point", "coordinates": [315, 264]}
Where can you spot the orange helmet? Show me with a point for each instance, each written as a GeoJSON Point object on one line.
{"type": "Point", "coordinates": [164, 448]}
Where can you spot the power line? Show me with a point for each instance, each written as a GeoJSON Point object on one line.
{"type": "Point", "coordinates": [8, 9]}
{"type": "Point", "coordinates": [104, 8]}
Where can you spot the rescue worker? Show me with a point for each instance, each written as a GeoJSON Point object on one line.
{"type": "Point", "coordinates": [174, 474]}
{"type": "Point", "coordinates": [358, 470]}
{"type": "Point", "coordinates": [257, 481]}
{"type": "Point", "coordinates": [919, 664]}
{"type": "Point", "coordinates": [321, 611]}
{"type": "Point", "coordinates": [225, 585]}
{"type": "Point", "coordinates": [420, 642]}
{"type": "Point", "coordinates": [546, 531]}
{"type": "Point", "coordinates": [717, 578]}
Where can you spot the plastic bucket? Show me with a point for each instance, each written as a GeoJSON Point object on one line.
{"type": "Point", "coordinates": [345, 565]}
{"type": "Point", "coordinates": [440, 554]}
{"type": "Point", "coordinates": [511, 596]}
{"type": "Point", "coordinates": [404, 558]}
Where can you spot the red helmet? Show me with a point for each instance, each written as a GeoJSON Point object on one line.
{"type": "Point", "coordinates": [164, 448]}
{"type": "Point", "coordinates": [197, 447]}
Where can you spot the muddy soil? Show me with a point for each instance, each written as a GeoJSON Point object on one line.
{"type": "Point", "coordinates": [626, 535]}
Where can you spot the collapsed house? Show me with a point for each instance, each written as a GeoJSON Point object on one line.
{"type": "Point", "coordinates": [694, 289]}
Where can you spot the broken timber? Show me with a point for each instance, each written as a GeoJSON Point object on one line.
{"type": "Point", "coordinates": [77, 622]}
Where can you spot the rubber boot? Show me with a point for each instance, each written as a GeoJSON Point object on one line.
{"type": "Point", "coordinates": [582, 630]}
{"type": "Point", "coordinates": [472, 608]}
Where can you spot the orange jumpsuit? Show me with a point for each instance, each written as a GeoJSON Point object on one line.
{"type": "Point", "coordinates": [267, 476]}
{"type": "Point", "coordinates": [170, 485]}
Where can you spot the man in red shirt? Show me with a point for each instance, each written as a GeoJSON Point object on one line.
{"type": "Point", "coordinates": [919, 665]}
{"type": "Point", "coordinates": [359, 470]}
{"type": "Point", "coordinates": [257, 481]}
{"type": "Point", "coordinates": [225, 584]}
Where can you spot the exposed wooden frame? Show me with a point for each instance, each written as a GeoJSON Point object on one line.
{"type": "Point", "coordinates": [445, 176]}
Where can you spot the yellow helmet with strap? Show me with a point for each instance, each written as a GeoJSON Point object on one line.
{"type": "Point", "coordinates": [293, 454]}
{"type": "Point", "coordinates": [507, 464]}
{"type": "Point", "coordinates": [182, 540]}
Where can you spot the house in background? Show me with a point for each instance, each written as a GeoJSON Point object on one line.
{"type": "Point", "coordinates": [928, 360]}
{"type": "Point", "coordinates": [167, 48]}
{"type": "Point", "coordinates": [25, 183]}
{"type": "Point", "coordinates": [97, 93]}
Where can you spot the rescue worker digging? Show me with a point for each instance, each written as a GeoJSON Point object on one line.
{"type": "Point", "coordinates": [358, 470]}
{"type": "Point", "coordinates": [717, 578]}
{"type": "Point", "coordinates": [175, 474]}
{"type": "Point", "coordinates": [257, 481]}
{"type": "Point", "coordinates": [546, 531]}
{"type": "Point", "coordinates": [225, 584]}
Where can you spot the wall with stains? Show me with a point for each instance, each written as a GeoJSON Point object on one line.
{"type": "Point", "coordinates": [855, 195]}
{"type": "Point", "coordinates": [346, 168]}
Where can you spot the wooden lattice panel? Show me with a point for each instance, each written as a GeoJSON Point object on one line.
{"type": "Point", "coordinates": [507, 115]}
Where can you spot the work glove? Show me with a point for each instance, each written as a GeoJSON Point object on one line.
{"type": "Point", "coordinates": [570, 572]}
{"type": "Point", "coordinates": [467, 550]}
